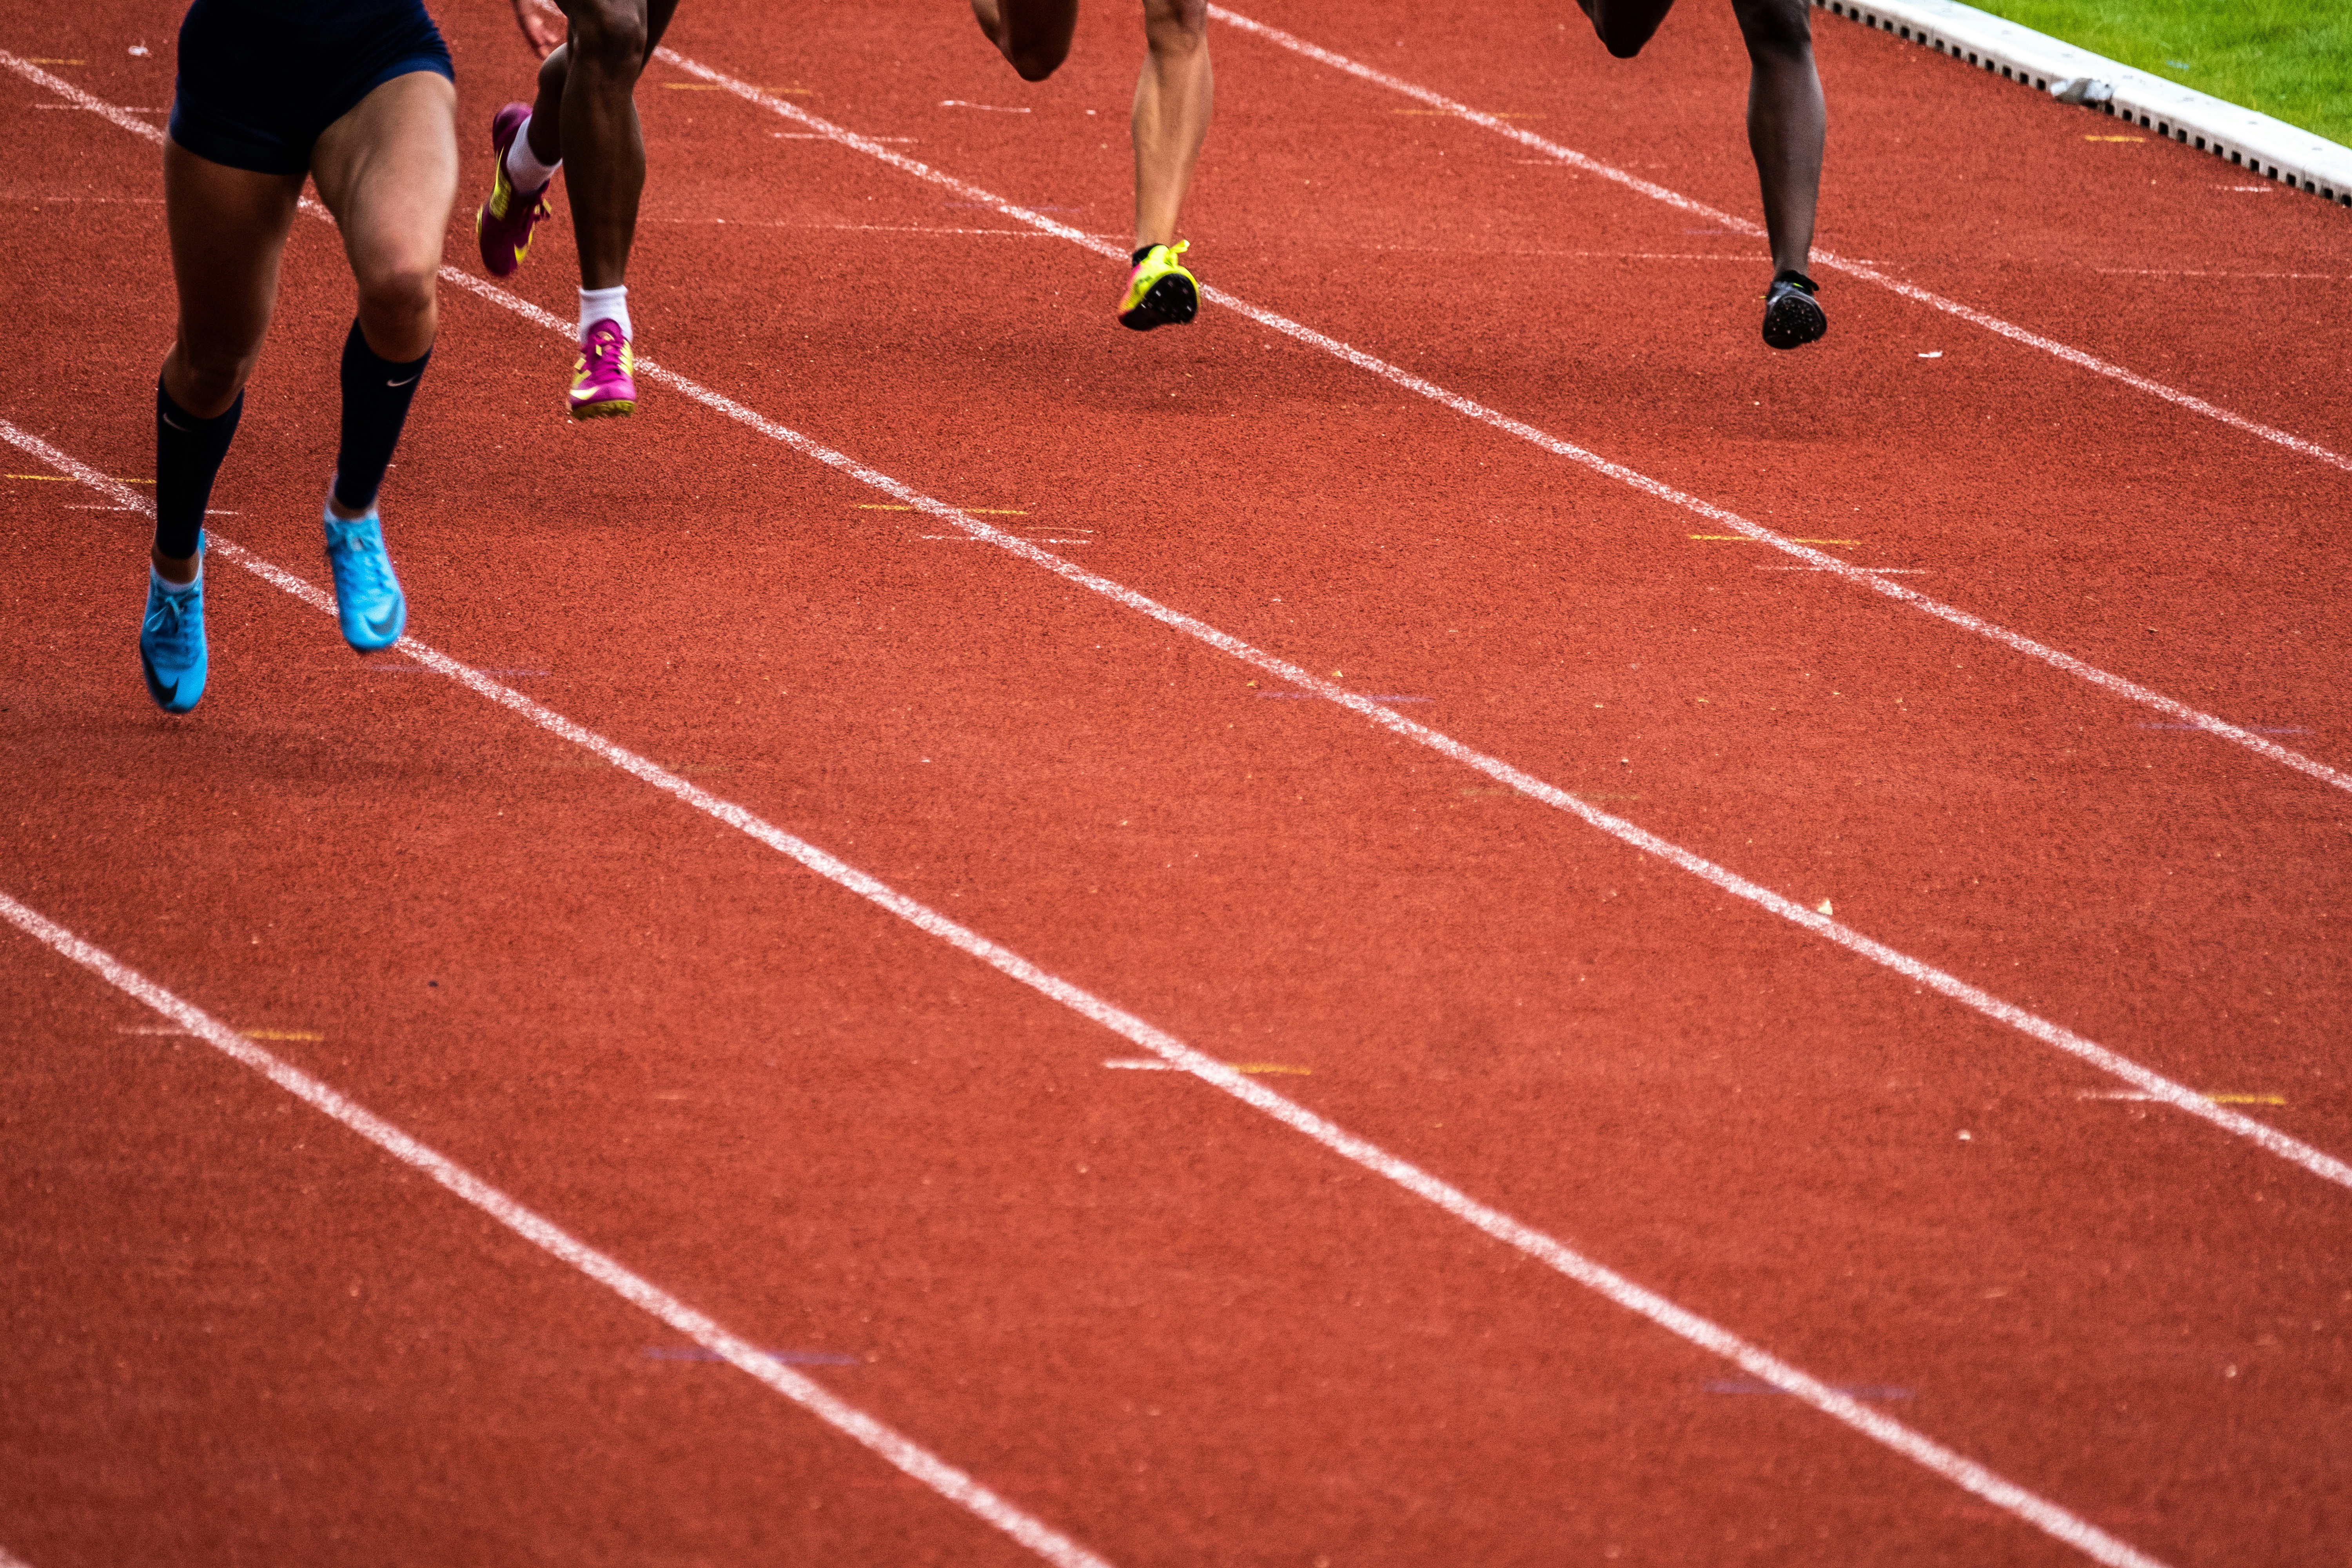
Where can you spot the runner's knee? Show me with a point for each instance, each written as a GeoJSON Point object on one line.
{"type": "Point", "coordinates": [209, 382]}
{"type": "Point", "coordinates": [609, 32]}
{"type": "Point", "coordinates": [1175, 26]}
{"type": "Point", "coordinates": [1775, 27]}
{"type": "Point", "coordinates": [396, 294]}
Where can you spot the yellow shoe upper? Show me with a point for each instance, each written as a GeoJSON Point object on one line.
{"type": "Point", "coordinates": [1158, 262]}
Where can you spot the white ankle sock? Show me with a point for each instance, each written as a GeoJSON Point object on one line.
{"type": "Point", "coordinates": [166, 585]}
{"type": "Point", "coordinates": [523, 166]}
{"type": "Point", "coordinates": [604, 305]}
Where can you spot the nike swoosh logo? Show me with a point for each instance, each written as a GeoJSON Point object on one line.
{"type": "Point", "coordinates": [173, 423]}
{"type": "Point", "coordinates": [167, 693]}
{"type": "Point", "coordinates": [382, 628]}
{"type": "Point", "coordinates": [410, 381]}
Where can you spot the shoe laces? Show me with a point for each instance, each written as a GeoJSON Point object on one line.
{"type": "Point", "coordinates": [602, 352]}
{"type": "Point", "coordinates": [172, 624]}
{"type": "Point", "coordinates": [363, 563]}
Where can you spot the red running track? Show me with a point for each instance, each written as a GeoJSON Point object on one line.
{"type": "Point", "coordinates": [1142, 1312]}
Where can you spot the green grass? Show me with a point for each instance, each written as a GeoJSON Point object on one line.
{"type": "Point", "coordinates": [2290, 59]}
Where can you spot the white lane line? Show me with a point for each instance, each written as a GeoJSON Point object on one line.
{"type": "Point", "coordinates": [809, 1394]}
{"type": "Point", "coordinates": [2326, 1166]}
{"type": "Point", "coordinates": [2114, 684]}
{"type": "Point", "coordinates": [1949, 986]}
{"type": "Point", "coordinates": [1961, 1470]}
{"type": "Point", "coordinates": [10, 1560]}
{"type": "Point", "coordinates": [1667, 1314]}
{"type": "Point", "coordinates": [1828, 259]}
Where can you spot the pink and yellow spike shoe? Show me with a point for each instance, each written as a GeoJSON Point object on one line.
{"type": "Point", "coordinates": [503, 225]}
{"type": "Point", "coordinates": [603, 382]}
{"type": "Point", "coordinates": [1160, 292]}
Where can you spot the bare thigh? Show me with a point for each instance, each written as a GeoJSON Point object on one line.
{"type": "Point", "coordinates": [227, 229]}
{"type": "Point", "coordinates": [388, 170]}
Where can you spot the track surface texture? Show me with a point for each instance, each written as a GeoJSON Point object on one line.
{"type": "Point", "coordinates": [1163, 1320]}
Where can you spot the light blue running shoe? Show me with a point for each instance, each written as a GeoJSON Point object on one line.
{"type": "Point", "coordinates": [368, 600]}
{"type": "Point", "coordinates": [172, 652]}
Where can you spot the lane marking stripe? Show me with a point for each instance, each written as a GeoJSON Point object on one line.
{"type": "Point", "coordinates": [810, 1396]}
{"type": "Point", "coordinates": [2326, 1166]}
{"type": "Point", "coordinates": [1852, 269]}
{"type": "Point", "coordinates": [1667, 1314]}
{"type": "Point", "coordinates": [2115, 685]}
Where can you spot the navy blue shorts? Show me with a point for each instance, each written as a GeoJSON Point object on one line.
{"type": "Point", "coordinates": [260, 79]}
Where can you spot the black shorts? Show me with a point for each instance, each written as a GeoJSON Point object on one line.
{"type": "Point", "coordinates": [260, 79]}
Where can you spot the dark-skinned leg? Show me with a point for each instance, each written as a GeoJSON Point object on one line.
{"type": "Point", "coordinates": [227, 229]}
{"type": "Point", "coordinates": [1786, 122]}
{"type": "Point", "coordinates": [545, 132]}
{"type": "Point", "coordinates": [1033, 35]}
{"type": "Point", "coordinates": [592, 116]}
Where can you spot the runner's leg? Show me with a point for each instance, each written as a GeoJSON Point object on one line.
{"type": "Point", "coordinates": [1033, 35]}
{"type": "Point", "coordinates": [598, 140]}
{"type": "Point", "coordinates": [227, 229]}
{"type": "Point", "coordinates": [545, 131]}
{"type": "Point", "coordinates": [388, 170]}
{"type": "Point", "coordinates": [1173, 99]}
{"type": "Point", "coordinates": [1786, 122]}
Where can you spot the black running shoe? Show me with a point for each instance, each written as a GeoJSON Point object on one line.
{"type": "Point", "coordinates": [1792, 317]}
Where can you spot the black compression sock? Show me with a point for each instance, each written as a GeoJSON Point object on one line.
{"type": "Point", "coordinates": [1136, 259]}
{"type": "Point", "coordinates": [376, 394]}
{"type": "Point", "coordinates": [188, 453]}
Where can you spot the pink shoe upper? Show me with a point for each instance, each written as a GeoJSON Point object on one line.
{"type": "Point", "coordinates": [505, 222]}
{"type": "Point", "coordinates": [604, 381]}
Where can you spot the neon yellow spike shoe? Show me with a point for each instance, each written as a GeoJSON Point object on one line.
{"type": "Point", "coordinates": [1160, 292]}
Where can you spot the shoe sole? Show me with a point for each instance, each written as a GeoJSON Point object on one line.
{"type": "Point", "coordinates": [1794, 322]}
{"type": "Point", "coordinates": [611, 408]}
{"type": "Point", "coordinates": [170, 703]}
{"type": "Point", "coordinates": [1171, 302]}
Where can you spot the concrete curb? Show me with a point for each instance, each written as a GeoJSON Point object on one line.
{"type": "Point", "coordinates": [2263, 146]}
